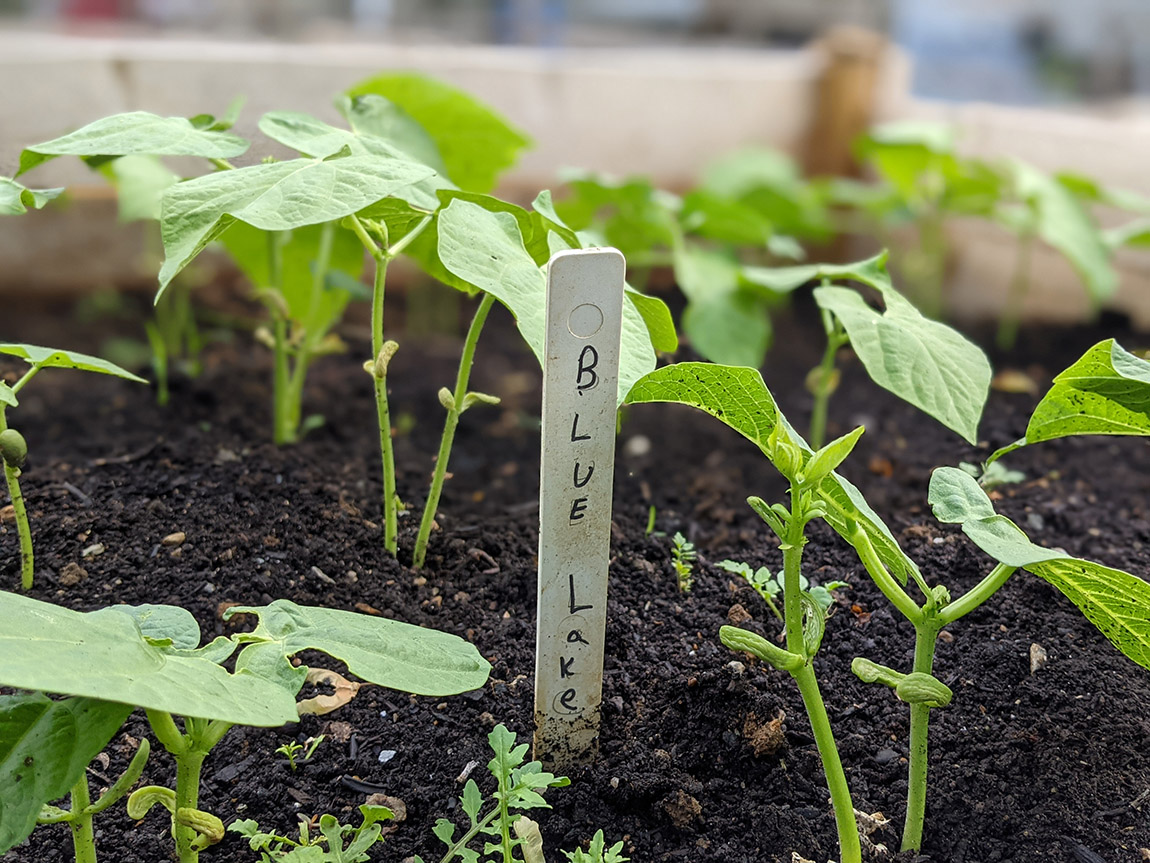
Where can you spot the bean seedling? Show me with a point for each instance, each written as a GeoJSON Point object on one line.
{"type": "Point", "coordinates": [149, 657]}
{"type": "Point", "coordinates": [1116, 602]}
{"type": "Point", "coordinates": [13, 446]}
{"type": "Point", "coordinates": [293, 748]}
{"type": "Point", "coordinates": [770, 587]}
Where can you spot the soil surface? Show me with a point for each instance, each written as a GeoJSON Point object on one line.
{"type": "Point", "coordinates": [1049, 765]}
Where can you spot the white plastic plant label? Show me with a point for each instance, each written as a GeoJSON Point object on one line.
{"type": "Point", "coordinates": [580, 383]}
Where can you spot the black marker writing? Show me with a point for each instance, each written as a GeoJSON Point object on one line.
{"type": "Point", "coordinates": [579, 483]}
{"type": "Point", "coordinates": [576, 636]}
{"type": "Point", "coordinates": [587, 368]}
{"type": "Point", "coordinates": [575, 431]}
{"type": "Point", "coordinates": [565, 667]}
{"type": "Point", "coordinates": [567, 698]}
{"type": "Point", "coordinates": [578, 507]}
{"type": "Point", "coordinates": [575, 609]}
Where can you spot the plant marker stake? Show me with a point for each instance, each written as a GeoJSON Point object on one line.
{"type": "Point", "coordinates": [577, 466]}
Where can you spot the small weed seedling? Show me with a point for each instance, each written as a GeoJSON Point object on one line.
{"type": "Point", "coordinates": [519, 786]}
{"type": "Point", "coordinates": [1103, 391]}
{"type": "Point", "coordinates": [336, 843]}
{"type": "Point", "coordinates": [683, 557]}
{"type": "Point", "coordinates": [149, 656]}
{"type": "Point", "coordinates": [770, 587]}
{"type": "Point", "coordinates": [598, 852]}
{"type": "Point", "coordinates": [13, 446]}
{"type": "Point", "coordinates": [293, 748]}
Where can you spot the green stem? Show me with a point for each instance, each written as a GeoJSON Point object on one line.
{"type": "Point", "coordinates": [932, 248]}
{"type": "Point", "coordinates": [458, 405]}
{"type": "Point", "coordinates": [222, 164]}
{"type": "Point", "coordinates": [977, 595]}
{"type": "Point", "coordinates": [383, 411]}
{"type": "Point", "coordinates": [882, 578]}
{"type": "Point", "coordinates": [311, 339]}
{"type": "Point", "coordinates": [925, 639]}
{"type": "Point", "coordinates": [23, 528]}
{"type": "Point", "coordinates": [282, 433]}
{"type": "Point", "coordinates": [1016, 297]}
{"type": "Point", "coordinates": [850, 850]}
{"type": "Point", "coordinates": [83, 836]}
{"type": "Point", "coordinates": [823, 388]}
{"type": "Point", "coordinates": [188, 768]}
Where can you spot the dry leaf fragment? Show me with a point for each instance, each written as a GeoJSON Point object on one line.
{"type": "Point", "coordinates": [345, 691]}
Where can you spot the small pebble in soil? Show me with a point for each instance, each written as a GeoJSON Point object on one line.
{"type": "Point", "coordinates": [885, 756]}
{"type": "Point", "coordinates": [637, 446]}
{"type": "Point", "coordinates": [174, 539]}
{"type": "Point", "coordinates": [385, 755]}
{"type": "Point", "coordinates": [1038, 657]}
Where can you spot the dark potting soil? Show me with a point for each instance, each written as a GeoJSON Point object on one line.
{"type": "Point", "coordinates": [1049, 765]}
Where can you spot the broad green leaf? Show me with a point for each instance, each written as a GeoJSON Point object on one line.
{"type": "Point", "coordinates": [102, 655]}
{"type": "Point", "coordinates": [140, 183]}
{"type": "Point", "coordinates": [735, 174]}
{"type": "Point", "coordinates": [765, 184]}
{"type": "Point", "coordinates": [1107, 391]}
{"type": "Point", "coordinates": [1068, 227]}
{"type": "Point", "coordinates": [374, 115]}
{"type": "Point", "coordinates": [276, 197]}
{"type": "Point", "coordinates": [957, 498]}
{"type": "Point", "coordinates": [485, 250]}
{"type": "Point", "coordinates": [317, 139]}
{"type": "Point", "coordinates": [52, 358]}
{"type": "Point", "coordinates": [724, 323]}
{"type": "Point", "coordinates": [381, 651]}
{"type": "Point", "coordinates": [16, 199]}
{"type": "Point", "coordinates": [475, 143]}
{"type": "Point", "coordinates": [631, 214]}
{"type": "Point", "coordinates": [45, 747]}
{"type": "Point", "coordinates": [161, 622]}
{"type": "Point", "coordinates": [1116, 602]}
{"type": "Point", "coordinates": [248, 247]}
{"type": "Point", "coordinates": [137, 133]}
{"type": "Point", "coordinates": [923, 362]}
{"type": "Point", "coordinates": [724, 219]}
{"type": "Point", "coordinates": [7, 396]}
{"type": "Point", "coordinates": [739, 398]}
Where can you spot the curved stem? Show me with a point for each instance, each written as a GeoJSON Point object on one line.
{"type": "Point", "coordinates": [23, 528]}
{"type": "Point", "coordinates": [83, 836]}
{"type": "Point", "coordinates": [383, 411]}
{"type": "Point", "coordinates": [977, 595]}
{"type": "Point", "coordinates": [890, 588]}
{"type": "Point", "coordinates": [850, 850]}
{"type": "Point", "coordinates": [925, 639]}
{"type": "Point", "coordinates": [457, 408]}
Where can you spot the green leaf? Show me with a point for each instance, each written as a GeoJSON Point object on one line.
{"type": "Point", "coordinates": [16, 199]}
{"type": "Point", "coordinates": [7, 396]}
{"type": "Point", "coordinates": [248, 247]}
{"type": "Point", "coordinates": [739, 398]}
{"type": "Point", "coordinates": [831, 456]}
{"type": "Point", "coordinates": [53, 358]}
{"type": "Point", "coordinates": [381, 651]}
{"type": "Point", "coordinates": [923, 362]}
{"type": "Point", "coordinates": [371, 114]}
{"type": "Point", "coordinates": [45, 747]}
{"type": "Point", "coordinates": [1107, 391]}
{"type": "Point", "coordinates": [1116, 602]}
{"type": "Point", "coordinates": [137, 133]}
{"type": "Point", "coordinates": [475, 143]}
{"type": "Point", "coordinates": [1068, 227]}
{"type": "Point", "coordinates": [140, 183]}
{"type": "Point", "coordinates": [276, 197]}
{"type": "Point", "coordinates": [104, 655]}
{"type": "Point", "coordinates": [1135, 233]}
{"type": "Point", "coordinates": [161, 622]}
{"type": "Point", "coordinates": [957, 498]}
{"type": "Point", "coordinates": [632, 215]}
{"type": "Point", "coordinates": [485, 250]}
{"type": "Point", "coordinates": [724, 323]}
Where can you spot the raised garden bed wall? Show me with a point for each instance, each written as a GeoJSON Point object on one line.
{"type": "Point", "coordinates": [651, 111]}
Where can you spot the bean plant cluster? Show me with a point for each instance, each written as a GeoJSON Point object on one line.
{"type": "Point", "coordinates": [408, 173]}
